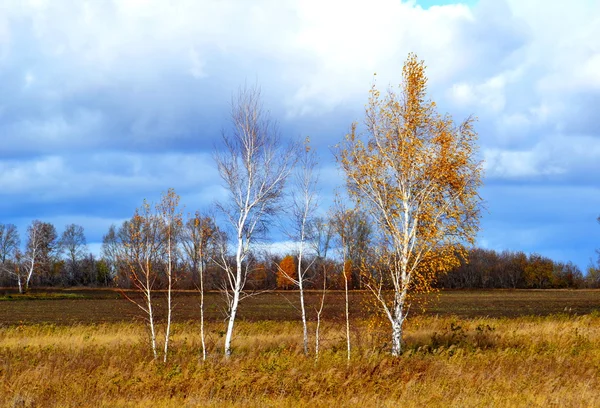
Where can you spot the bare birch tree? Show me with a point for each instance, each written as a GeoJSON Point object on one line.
{"type": "Point", "coordinates": [319, 312]}
{"type": "Point", "coordinates": [341, 218]}
{"type": "Point", "coordinates": [254, 168]}
{"type": "Point", "coordinates": [198, 234]}
{"type": "Point", "coordinates": [171, 221]}
{"type": "Point", "coordinates": [321, 232]}
{"type": "Point", "coordinates": [41, 240]}
{"type": "Point", "coordinates": [303, 209]}
{"type": "Point", "coordinates": [140, 250]}
{"type": "Point", "coordinates": [14, 266]}
{"type": "Point", "coordinates": [417, 176]}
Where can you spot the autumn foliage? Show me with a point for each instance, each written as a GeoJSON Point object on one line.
{"type": "Point", "coordinates": [416, 175]}
{"type": "Point", "coordinates": [286, 273]}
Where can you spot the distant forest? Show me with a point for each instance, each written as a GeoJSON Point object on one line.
{"type": "Point", "coordinates": [53, 260]}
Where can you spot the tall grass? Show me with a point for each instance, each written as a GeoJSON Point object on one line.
{"type": "Point", "coordinates": [527, 361]}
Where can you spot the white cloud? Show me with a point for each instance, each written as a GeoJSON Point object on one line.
{"type": "Point", "coordinates": [280, 248]}
{"type": "Point", "coordinates": [347, 45]}
{"type": "Point", "coordinates": [325, 51]}
{"type": "Point", "coordinates": [105, 174]}
{"type": "Point", "coordinates": [558, 157]}
{"type": "Point", "coordinates": [505, 164]}
{"type": "Point", "coordinates": [509, 62]}
{"type": "Point", "coordinates": [197, 69]}
{"type": "Point", "coordinates": [4, 36]}
{"type": "Point", "coordinates": [489, 95]}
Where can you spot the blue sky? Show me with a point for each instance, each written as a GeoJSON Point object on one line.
{"type": "Point", "coordinates": [105, 103]}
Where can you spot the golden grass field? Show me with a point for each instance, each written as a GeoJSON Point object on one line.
{"type": "Point", "coordinates": [448, 360]}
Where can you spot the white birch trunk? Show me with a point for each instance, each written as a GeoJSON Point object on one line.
{"type": "Point", "coordinates": [396, 337]}
{"type": "Point", "coordinates": [347, 313]}
{"type": "Point", "coordinates": [151, 320]}
{"type": "Point", "coordinates": [169, 300]}
{"type": "Point", "coordinates": [30, 272]}
{"type": "Point", "coordinates": [232, 313]}
{"type": "Point", "coordinates": [397, 321]}
{"type": "Point", "coordinates": [237, 289]}
{"type": "Point", "coordinates": [201, 273]}
{"type": "Point", "coordinates": [304, 326]}
{"type": "Point", "coordinates": [317, 330]}
{"type": "Point", "coordinates": [302, 305]}
{"type": "Point", "coordinates": [317, 334]}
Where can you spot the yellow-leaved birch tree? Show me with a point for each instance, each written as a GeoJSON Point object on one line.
{"type": "Point", "coordinates": [416, 174]}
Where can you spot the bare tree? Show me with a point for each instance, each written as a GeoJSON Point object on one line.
{"type": "Point", "coordinates": [319, 312]}
{"type": "Point", "coordinates": [303, 209]}
{"type": "Point", "coordinates": [9, 252]}
{"type": "Point", "coordinates": [170, 220]}
{"type": "Point", "coordinates": [140, 249]}
{"type": "Point", "coordinates": [341, 218]}
{"type": "Point", "coordinates": [111, 250]}
{"type": "Point", "coordinates": [198, 234]}
{"type": "Point", "coordinates": [72, 242]}
{"type": "Point", "coordinates": [41, 245]}
{"type": "Point", "coordinates": [9, 241]}
{"type": "Point", "coordinates": [254, 169]}
{"type": "Point", "coordinates": [321, 231]}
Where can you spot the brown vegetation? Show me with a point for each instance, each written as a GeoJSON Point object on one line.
{"type": "Point", "coordinates": [527, 361]}
{"type": "Point", "coordinates": [94, 306]}
{"type": "Point", "coordinates": [97, 354]}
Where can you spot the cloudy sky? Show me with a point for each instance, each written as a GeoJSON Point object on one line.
{"type": "Point", "coordinates": [105, 103]}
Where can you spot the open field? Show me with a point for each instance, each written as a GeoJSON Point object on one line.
{"type": "Point", "coordinates": [496, 348]}
{"type": "Point", "coordinates": [102, 306]}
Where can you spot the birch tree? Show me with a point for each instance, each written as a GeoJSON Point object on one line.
{"type": "Point", "coordinates": [341, 218]}
{"type": "Point", "coordinates": [170, 219]}
{"type": "Point", "coordinates": [254, 168]}
{"type": "Point", "coordinates": [415, 172]}
{"type": "Point", "coordinates": [40, 247]}
{"type": "Point", "coordinates": [303, 209]}
{"type": "Point", "coordinates": [321, 232]}
{"type": "Point", "coordinates": [197, 237]}
{"type": "Point", "coordinates": [140, 250]}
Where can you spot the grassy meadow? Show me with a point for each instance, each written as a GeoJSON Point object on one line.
{"type": "Point", "coordinates": [467, 348]}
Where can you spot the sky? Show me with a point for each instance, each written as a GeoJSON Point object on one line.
{"type": "Point", "coordinates": [105, 103]}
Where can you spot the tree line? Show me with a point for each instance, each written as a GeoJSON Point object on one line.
{"type": "Point", "coordinates": [489, 269]}
{"type": "Point", "coordinates": [49, 259]}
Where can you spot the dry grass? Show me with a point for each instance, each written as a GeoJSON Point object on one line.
{"type": "Point", "coordinates": [448, 361]}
